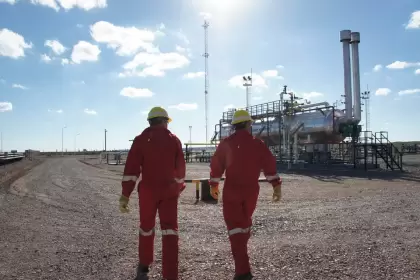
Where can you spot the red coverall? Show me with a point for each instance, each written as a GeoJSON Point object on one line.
{"type": "Point", "coordinates": [243, 157]}
{"type": "Point", "coordinates": [157, 154]}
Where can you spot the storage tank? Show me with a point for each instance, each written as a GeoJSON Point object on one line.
{"type": "Point", "coordinates": [319, 127]}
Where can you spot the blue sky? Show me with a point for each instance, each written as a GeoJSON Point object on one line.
{"type": "Point", "coordinates": [104, 63]}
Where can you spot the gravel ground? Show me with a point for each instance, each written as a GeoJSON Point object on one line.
{"type": "Point", "coordinates": [61, 221]}
{"type": "Point", "coordinates": [11, 172]}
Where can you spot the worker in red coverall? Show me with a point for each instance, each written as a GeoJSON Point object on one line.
{"type": "Point", "coordinates": [243, 157]}
{"type": "Point", "coordinates": [157, 154]}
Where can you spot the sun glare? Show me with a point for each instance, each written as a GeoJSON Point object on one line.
{"type": "Point", "coordinates": [222, 11]}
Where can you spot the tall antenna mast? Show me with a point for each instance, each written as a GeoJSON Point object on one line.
{"type": "Point", "coordinates": [206, 74]}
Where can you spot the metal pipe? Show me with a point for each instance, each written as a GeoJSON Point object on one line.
{"type": "Point", "coordinates": [345, 38]}
{"type": "Point", "coordinates": [357, 110]}
{"type": "Point", "coordinates": [326, 104]}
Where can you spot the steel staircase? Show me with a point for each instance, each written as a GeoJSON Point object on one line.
{"type": "Point", "coordinates": [387, 151]}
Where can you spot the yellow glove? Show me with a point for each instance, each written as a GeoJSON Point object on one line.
{"type": "Point", "coordinates": [214, 192]}
{"type": "Point", "coordinates": [277, 193]}
{"type": "Point", "coordinates": [124, 204]}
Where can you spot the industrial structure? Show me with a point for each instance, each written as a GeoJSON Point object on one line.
{"type": "Point", "coordinates": [304, 133]}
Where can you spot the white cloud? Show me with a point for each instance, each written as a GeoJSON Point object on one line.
{"type": "Point", "coordinates": [409, 91]}
{"type": "Point", "coordinates": [79, 25]}
{"type": "Point", "coordinates": [184, 106]}
{"type": "Point", "coordinates": [382, 91]}
{"type": "Point", "coordinates": [192, 75]}
{"type": "Point", "coordinates": [377, 68]}
{"type": "Point", "coordinates": [312, 95]}
{"type": "Point", "coordinates": [125, 40]}
{"type": "Point", "coordinates": [6, 106]}
{"type": "Point", "coordinates": [153, 64]}
{"type": "Point", "coordinates": [183, 50]}
{"type": "Point", "coordinates": [55, 46]}
{"type": "Point", "coordinates": [12, 44]}
{"type": "Point", "coordinates": [90, 111]}
{"type": "Point", "coordinates": [417, 72]}
{"type": "Point", "coordinates": [414, 21]}
{"type": "Point", "coordinates": [257, 81]}
{"type": "Point", "coordinates": [85, 51]}
{"type": "Point", "coordinates": [257, 97]}
{"type": "Point", "coordinates": [82, 4]}
{"type": "Point", "coordinates": [70, 4]}
{"type": "Point", "coordinates": [402, 65]}
{"type": "Point", "coordinates": [136, 92]}
{"type": "Point", "coordinates": [19, 86]}
{"type": "Point", "coordinates": [205, 15]}
{"type": "Point", "coordinates": [48, 3]}
{"type": "Point", "coordinates": [8, 1]}
{"type": "Point", "coordinates": [280, 66]}
{"type": "Point", "coordinates": [64, 61]}
{"type": "Point", "coordinates": [272, 74]}
{"type": "Point", "coordinates": [181, 36]}
{"type": "Point", "coordinates": [59, 111]}
{"type": "Point", "coordinates": [161, 26]}
{"type": "Point", "coordinates": [45, 58]}
{"type": "Point", "coordinates": [180, 49]}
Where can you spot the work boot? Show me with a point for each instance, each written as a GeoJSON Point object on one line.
{"type": "Point", "coordinates": [246, 276]}
{"type": "Point", "coordinates": [142, 272]}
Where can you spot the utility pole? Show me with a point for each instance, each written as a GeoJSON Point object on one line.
{"type": "Point", "coordinates": [206, 75]}
{"type": "Point", "coordinates": [190, 134]}
{"type": "Point", "coordinates": [106, 154]}
{"type": "Point", "coordinates": [75, 141]}
{"type": "Point", "coordinates": [62, 140]}
{"type": "Point", "coordinates": [105, 140]}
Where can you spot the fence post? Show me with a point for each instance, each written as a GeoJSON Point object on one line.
{"type": "Point", "coordinates": [197, 189]}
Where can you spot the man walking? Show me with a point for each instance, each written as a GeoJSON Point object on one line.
{"type": "Point", "coordinates": [243, 157]}
{"type": "Point", "coordinates": [157, 155]}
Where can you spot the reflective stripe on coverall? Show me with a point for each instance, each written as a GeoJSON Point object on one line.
{"type": "Point", "coordinates": [243, 157]}
{"type": "Point", "coordinates": [157, 154]}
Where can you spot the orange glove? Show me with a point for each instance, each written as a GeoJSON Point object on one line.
{"type": "Point", "coordinates": [182, 187]}
{"type": "Point", "coordinates": [214, 192]}
{"type": "Point", "coordinates": [276, 190]}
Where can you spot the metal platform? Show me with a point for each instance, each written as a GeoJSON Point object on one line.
{"type": "Point", "coordinates": [10, 158]}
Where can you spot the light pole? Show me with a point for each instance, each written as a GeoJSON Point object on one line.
{"type": "Point", "coordinates": [190, 133]}
{"type": "Point", "coordinates": [75, 142]}
{"type": "Point", "coordinates": [247, 84]}
{"type": "Point", "coordinates": [62, 140]}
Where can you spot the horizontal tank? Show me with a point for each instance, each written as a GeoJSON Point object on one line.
{"type": "Point", "coordinates": [318, 127]}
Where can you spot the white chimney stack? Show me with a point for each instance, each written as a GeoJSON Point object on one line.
{"type": "Point", "coordinates": [357, 110]}
{"type": "Point", "coordinates": [345, 38]}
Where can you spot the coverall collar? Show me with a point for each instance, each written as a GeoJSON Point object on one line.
{"type": "Point", "coordinates": [242, 132]}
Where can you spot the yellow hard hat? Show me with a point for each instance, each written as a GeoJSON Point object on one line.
{"type": "Point", "coordinates": [158, 112]}
{"type": "Point", "coordinates": [241, 116]}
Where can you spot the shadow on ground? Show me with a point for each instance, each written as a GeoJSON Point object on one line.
{"type": "Point", "coordinates": [335, 176]}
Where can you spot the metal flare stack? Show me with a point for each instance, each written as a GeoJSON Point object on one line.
{"type": "Point", "coordinates": [352, 107]}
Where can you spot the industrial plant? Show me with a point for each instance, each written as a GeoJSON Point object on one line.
{"type": "Point", "coordinates": [304, 134]}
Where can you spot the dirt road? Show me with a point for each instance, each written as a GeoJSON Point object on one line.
{"type": "Point", "coordinates": [61, 221]}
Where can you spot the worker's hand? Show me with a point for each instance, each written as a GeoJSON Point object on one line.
{"type": "Point", "coordinates": [182, 187]}
{"type": "Point", "coordinates": [277, 193]}
{"type": "Point", "coordinates": [214, 192]}
{"type": "Point", "coordinates": [124, 204]}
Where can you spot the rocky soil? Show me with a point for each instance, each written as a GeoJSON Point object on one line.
{"type": "Point", "coordinates": [61, 221]}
